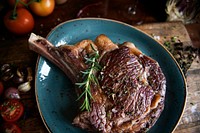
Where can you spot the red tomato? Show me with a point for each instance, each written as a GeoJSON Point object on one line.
{"type": "Point", "coordinates": [12, 3]}
{"type": "Point", "coordinates": [22, 24]}
{"type": "Point", "coordinates": [12, 110]}
{"type": "Point", "coordinates": [10, 128]}
{"type": "Point", "coordinates": [1, 88]}
{"type": "Point", "coordinates": [43, 7]}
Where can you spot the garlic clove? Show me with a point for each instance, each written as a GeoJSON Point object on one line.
{"type": "Point", "coordinates": [24, 87]}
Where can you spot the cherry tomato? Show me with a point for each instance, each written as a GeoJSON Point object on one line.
{"type": "Point", "coordinates": [22, 24]}
{"type": "Point", "coordinates": [42, 7]}
{"type": "Point", "coordinates": [1, 88]}
{"type": "Point", "coordinates": [12, 110]}
{"type": "Point", "coordinates": [10, 128]}
{"type": "Point", "coordinates": [12, 3]}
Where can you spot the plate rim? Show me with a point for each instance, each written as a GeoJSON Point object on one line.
{"type": "Point", "coordinates": [119, 22]}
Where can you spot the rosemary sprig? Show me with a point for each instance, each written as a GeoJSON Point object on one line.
{"type": "Point", "coordinates": [89, 78]}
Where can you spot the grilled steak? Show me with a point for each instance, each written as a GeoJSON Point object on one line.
{"type": "Point", "coordinates": [131, 91]}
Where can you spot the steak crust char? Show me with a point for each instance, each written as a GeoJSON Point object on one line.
{"type": "Point", "coordinates": [131, 92]}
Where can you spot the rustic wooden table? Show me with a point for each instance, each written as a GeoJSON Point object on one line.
{"type": "Point", "coordinates": [14, 50]}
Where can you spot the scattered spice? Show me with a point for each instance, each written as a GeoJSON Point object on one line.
{"type": "Point", "coordinates": [192, 103]}
{"type": "Point", "coordinates": [174, 39]}
{"type": "Point", "coordinates": [184, 55]}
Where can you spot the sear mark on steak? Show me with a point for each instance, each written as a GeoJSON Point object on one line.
{"type": "Point", "coordinates": [131, 91]}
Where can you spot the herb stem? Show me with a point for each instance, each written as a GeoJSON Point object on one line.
{"type": "Point", "coordinates": [89, 79]}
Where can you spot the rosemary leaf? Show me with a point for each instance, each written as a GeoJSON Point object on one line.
{"type": "Point", "coordinates": [85, 72]}
{"type": "Point", "coordinates": [80, 84]}
{"type": "Point", "coordinates": [88, 60]}
{"type": "Point", "coordinates": [89, 78]}
{"type": "Point", "coordinates": [81, 95]}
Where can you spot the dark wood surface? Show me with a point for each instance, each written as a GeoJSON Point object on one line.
{"type": "Point", "coordinates": [14, 49]}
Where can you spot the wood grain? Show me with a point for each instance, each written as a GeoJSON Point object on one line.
{"type": "Point", "coordinates": [191, 117]}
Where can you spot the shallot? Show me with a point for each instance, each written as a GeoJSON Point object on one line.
{"type": "Point", "coordinates": [11, 93]}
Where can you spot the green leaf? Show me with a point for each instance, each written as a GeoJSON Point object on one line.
{"type": "Point", "coordinates": [89, 78]}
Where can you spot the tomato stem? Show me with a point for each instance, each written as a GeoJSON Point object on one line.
{"type": "Point", "coordinates": [24, 4]}
{"type": "Point", "coordinates": [31, 1]}
{"type": "Point", "coordinates": [14, 13]}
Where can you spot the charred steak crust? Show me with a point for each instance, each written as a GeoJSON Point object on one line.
{"type": "Point", "coordinates": [135, 85]}
{"type": "Point", "coordinates": [131, 92]}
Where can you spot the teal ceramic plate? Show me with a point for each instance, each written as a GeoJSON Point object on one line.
{"type": "Point", "coordinates": [55, 95]}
